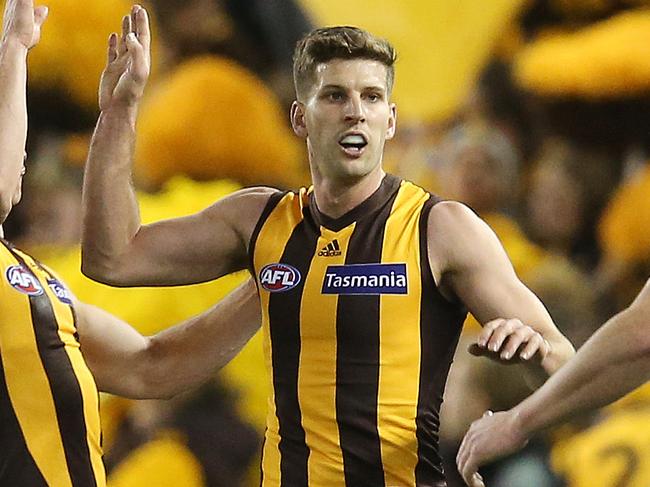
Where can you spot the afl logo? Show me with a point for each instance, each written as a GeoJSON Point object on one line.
{"type": "Point", "coordinates": [24, 281]}
{"type": "Point", "coordinates": [277, 278]}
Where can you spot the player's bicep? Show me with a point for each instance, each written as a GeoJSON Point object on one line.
{"type": "Point", "coordinates": [478, 270]}
{"type": "Point", "coordinates": [490, 289]}
{"type": "Point", "coordinates": [194, 248]}
{"type": "Point", "coordinates": [183, 250]}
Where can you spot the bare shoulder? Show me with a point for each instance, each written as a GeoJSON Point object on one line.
{"type": "Point", "coordinates": [452, 220]}
{"type": "Point", "coordinates": [457, 237]}
{"type": "Point", "coordinates": [259, 194]}
{"type": "Point", "coordinates": [241, 209]}
{"type": "Point", "coordinates": [244, 203]}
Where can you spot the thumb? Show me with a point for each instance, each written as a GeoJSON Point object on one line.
{"type": "Point", "coordinates": [40, 14]}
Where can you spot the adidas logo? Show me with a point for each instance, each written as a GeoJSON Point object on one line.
{"type": "Point", "coordinates": [332, 249]}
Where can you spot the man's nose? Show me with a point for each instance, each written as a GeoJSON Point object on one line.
{"type": "Point", "coordinates": [354, 111]}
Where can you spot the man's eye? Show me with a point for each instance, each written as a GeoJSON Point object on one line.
{"type": "Point", "coordinates": [373, 97]}
{"type": "Point", "coordinates": [336, 96]}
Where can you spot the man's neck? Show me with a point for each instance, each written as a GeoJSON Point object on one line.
{"type": "Point", "coordinates": [335, 197]}
{"type": "Point", "coordinates": [2, 232]}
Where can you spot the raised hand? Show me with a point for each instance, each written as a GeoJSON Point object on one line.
{"type": "Point", "coordinates": [510, 342]}
{"type": "Point", "coordinates": [22, 22]}
{"type": "Point", "coordinates": [493, 436]}
{"type": "Point", "coordinates": [129, 62]}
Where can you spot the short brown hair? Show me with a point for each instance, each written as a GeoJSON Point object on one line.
{"type": "Point", "coordinates": [342, 42]}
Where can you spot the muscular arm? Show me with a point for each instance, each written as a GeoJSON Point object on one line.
{"type": "Point", "coordinates": [613, 362]}
{"type": "Point", "coordinates": [20, 31]}
{"type": "Point", "coordinates": [13, 119]}
{"type": "Point", "coordinates": [469, 262]}
{"type": "Point", "coordinates": [116, 248]}
{"type": "Point", "coordinates": [126, 363]}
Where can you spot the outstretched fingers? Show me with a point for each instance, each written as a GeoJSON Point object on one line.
{"type": "Point", "coordinates": [140, 20]}
{"type": "Point", "coordinates": [126, 29]}
{"type": "Point", "coordinates": [20, 8]}
{"type": "Point", "coordinates": [112, 48]}
{"type": "Point", "coordinates": [139, 66]}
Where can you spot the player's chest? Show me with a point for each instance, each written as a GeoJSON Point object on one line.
{"type": "Point", "coordinates": [321, 263]}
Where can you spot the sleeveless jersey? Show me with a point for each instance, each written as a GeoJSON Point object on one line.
{"type": "Point", "coordinates": [49, 406]}
{"type": "Point", "coordinates": [357, 340]}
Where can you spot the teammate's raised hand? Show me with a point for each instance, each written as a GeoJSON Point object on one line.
{"type": "Point", "coordinates": [22, 22]}
{"type": "Point", "coordinates": [129, 62]}
{"type": "Point", "coordinates": [510, 342]}
{"type": "Point", "coordinates": [493, 436]}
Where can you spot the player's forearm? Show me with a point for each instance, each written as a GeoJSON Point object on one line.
{"type": "Point", "coordinates": [111, 214]}
{"type": "Point", "coordinates": [612, 363]}
{"type": "Point", "coordinates": [186, 355]}
{"type": "Point", "coordinates": [13, 118]}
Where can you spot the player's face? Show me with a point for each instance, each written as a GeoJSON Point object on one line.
{"type": "Point", "coordinates": [346, 118]}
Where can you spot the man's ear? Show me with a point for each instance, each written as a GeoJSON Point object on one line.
{"type": "Point", "coordinates": [298, 119]}
{"type": "Point", "coordinates": [392, 122]}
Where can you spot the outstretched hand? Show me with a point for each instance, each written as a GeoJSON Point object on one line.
{"type": "Point", "coordinates": [22, 22]}
{"type": "Point", "coordinates": [129, 62]}
{"type": "Point", "coordinates": [493, 436]}
{"type": "Point", "coordinates": [510, 342]}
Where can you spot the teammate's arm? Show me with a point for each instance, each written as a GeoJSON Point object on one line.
{"type": "Point", "coordinates": [613, 362]}
{"type": "Point", "coordinates": [126, 363]}
{"type": "Point", "coordinates": [116, 248]}
{"type": "Point", "coordinates": [21, 31]}
{"type": "Point", "coordinates": [469, 262]}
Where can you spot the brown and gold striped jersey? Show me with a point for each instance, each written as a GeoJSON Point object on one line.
{"type": "Point", "coordinates": [49, 409]}
{"type": "Point", "coordinates": [357, 338]}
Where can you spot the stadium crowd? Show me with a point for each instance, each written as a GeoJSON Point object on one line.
{"type": "Point", "coordinates": [550, 146]}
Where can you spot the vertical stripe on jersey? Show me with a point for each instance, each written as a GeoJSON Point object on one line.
{"type": "Point", "coordinates": [17, 466]}
{"type": "Point", "coordinates": [317, 379]}
{"type": "Point", "coordinates": [400, 336]}
{"type": "Point", "coordinates": [31, 399]}
{"type": "Point", "coordinates": [90, 397]}
{"type": "Point", "coordinates": [437, 349]}
{"type": "Point", "coordinates": [275, 230]}
{"type": "Point", "coordinates": [66, 391]}
{"type": "Point", "coordinates": [357, 362]}
{"type": "Point", "coordinates": [273, 201]}
{"type": "Point", "coordinates": [284, 319]}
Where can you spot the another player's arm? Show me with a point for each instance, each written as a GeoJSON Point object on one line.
{"type": "Point", "coordinates": [116, 248]}
{"type": "Point", "coordinates": [20, 32]}
{"type": "Point", "coordinates": [613, 362]}
{"type": "Point", "coordinates": [470, 263]}
{"type": "Point", "coordinates": [179, 358]}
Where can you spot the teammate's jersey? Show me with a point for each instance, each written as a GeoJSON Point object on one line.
{"type": "Point", "coordinates": [49, 409]}
{"type": "Point", "coordinates": [358, 341]}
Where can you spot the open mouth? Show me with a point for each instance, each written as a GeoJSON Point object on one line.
{"type": "Point", "coordinates": [353, 144]}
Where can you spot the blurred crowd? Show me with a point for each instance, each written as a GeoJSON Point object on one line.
{"type": "Point", "coordinates": [550, 147]}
